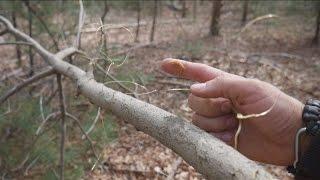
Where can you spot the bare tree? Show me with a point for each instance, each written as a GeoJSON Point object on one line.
{"type": "Point", "coordinates": [215, 16]}
{"type": "Point", "coordinates": [184, 9]}
{"type": "Point", "coordinates": [31, 61]}
{"type": "Point", "coordinates": [316, 36]}
{"type": "Point", "coordinates": [105, 10]}
{"type": "Point", "coordinates": [136, 39]}
{"type": "Point", "coordinates": [244, 11]}
{"type": "Point", "coordinates": [195, 7]}
{"type": "Point", "coordinates": [103, 34]}
{"type": "Point", "coordinates": [32, 11]}
{"type": "Point", "coordinates": [18, 50]}
{"type": "Point", "coordinates": [154, 20]}
{"type": "Point", "coordinates": [201, 2]}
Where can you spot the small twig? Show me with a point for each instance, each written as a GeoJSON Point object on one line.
{"type": "Point", "coordinates": [84, 133]}
{"type": "Point", "coordinates": [114, 79]}
{"type": "Point", "coordinates": [174, 83]}
{"type": "Point", "coordinates": [9, 108]}
{"type": "Point", "coordinates": [62, 126]}
{"type": "Point", "coordinates": [20, 166]}
{"type": "Point", "coordinates": [34, 12]}
{"type": "Point", "coordinates": [250, 23]}
{"type": "Point", "coordinates": [97, 161]}
{"type": "Point", "coordinates": [50, 116]}
{"type": "Point", "coordinates": [30, 165]}
{"type": "Point", "coordinates": [51, 97]}
{"type": "Point", "coordinates": [15, 43]}
{"type": "Point", "coordinates": [93, 124]}
{"type": "Point", "coordinates": [80, 25]}
{"type": "Point", "coordinates": [41, 108]}
{"type": "Point", "coordinates": [179, 89]}
{"type": "Point", "coordinates": [25, 83]}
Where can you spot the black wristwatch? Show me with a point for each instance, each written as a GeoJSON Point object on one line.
{"type": "Point", "coordinates": [307, 165]}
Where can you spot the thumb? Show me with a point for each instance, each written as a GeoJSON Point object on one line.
{"type": "Point", "coordinates": [230, 87]}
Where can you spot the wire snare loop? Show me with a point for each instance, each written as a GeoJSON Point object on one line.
{"type": "Point", "coordinates": [242, 117]}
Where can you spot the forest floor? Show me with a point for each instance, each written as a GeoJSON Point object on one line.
{"type": "Point", "coordinates": [277, 51]}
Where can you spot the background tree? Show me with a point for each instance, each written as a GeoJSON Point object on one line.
{"type": "Point", "coordinates": [316, 36]}
{"type": "Point", "coordinates": [195, 7]}
{"type": "Point", "coordinates": [215, 17]}
{"type": "Point", "coordinates": [31, 59]}
{"type": "Point", "coordinates": [136, 39]}
{"type": "Point", "coordinates": [184, 8]}
{"type": "Point", "coordinates": [154, 20]}
{"type": "Point", "coordinates": [244, 11]}
{"type": "Point", "coordinates": [103, 34]}
{"type": "Point", "coordinates": [18, 50]}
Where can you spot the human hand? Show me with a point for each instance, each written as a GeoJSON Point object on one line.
{"type": "Point", "coordinates": [268, 138]}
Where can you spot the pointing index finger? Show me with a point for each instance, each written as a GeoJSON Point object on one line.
{"type": "Point", "coordinates": [188, 70]}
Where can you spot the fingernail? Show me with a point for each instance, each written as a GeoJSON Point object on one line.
{"type": "Point", "coordinates": [199, 86]}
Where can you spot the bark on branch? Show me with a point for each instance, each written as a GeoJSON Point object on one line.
{"type": "Point", "coordinates": [206, 154]}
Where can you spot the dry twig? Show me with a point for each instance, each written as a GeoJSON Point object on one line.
{"type": "Point", "coordinates": [63, 126]}
{"type": "Point", "coordinates": [93, 124]}
{"type": "Point", "coordinates": [25, 83]}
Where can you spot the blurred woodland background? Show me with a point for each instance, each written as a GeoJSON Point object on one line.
{"type": "Point", "coordinates": [275, 41]}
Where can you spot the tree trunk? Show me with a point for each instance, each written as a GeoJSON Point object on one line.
{"type": "Point", "coordinates": [195, 7]}
{"type": "Point", "coordinates": [154, 21]}
{"type": "Point", "coordinates": [104, 37]}
{"type": "Point", "coordinates": [216, 9]}
{"type": "Point", "coordinates": [184, 9]}
{"type": "Point", "coordinates": [18, 50]}
{"type": "Point", "coordinates": [245, 11]}
{"type": "Point", "coordinates": [316, 36]}
{"type": "Point", "coordinates": [105, 10]}
{"type": "Point", "coordinates": [201, 2]}
{"type": "Point", "coordinates": [31, 63]}
{"type": "Point", "coordinates": [138, 20]}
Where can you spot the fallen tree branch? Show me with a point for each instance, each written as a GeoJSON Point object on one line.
{"type": "Point", "coordinates": [25, 83]}
{"type": "Point", "coordinates": [208, 155]}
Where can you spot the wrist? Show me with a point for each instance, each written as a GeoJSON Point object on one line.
{"type": "Point", "coordinates": [307, 148]}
